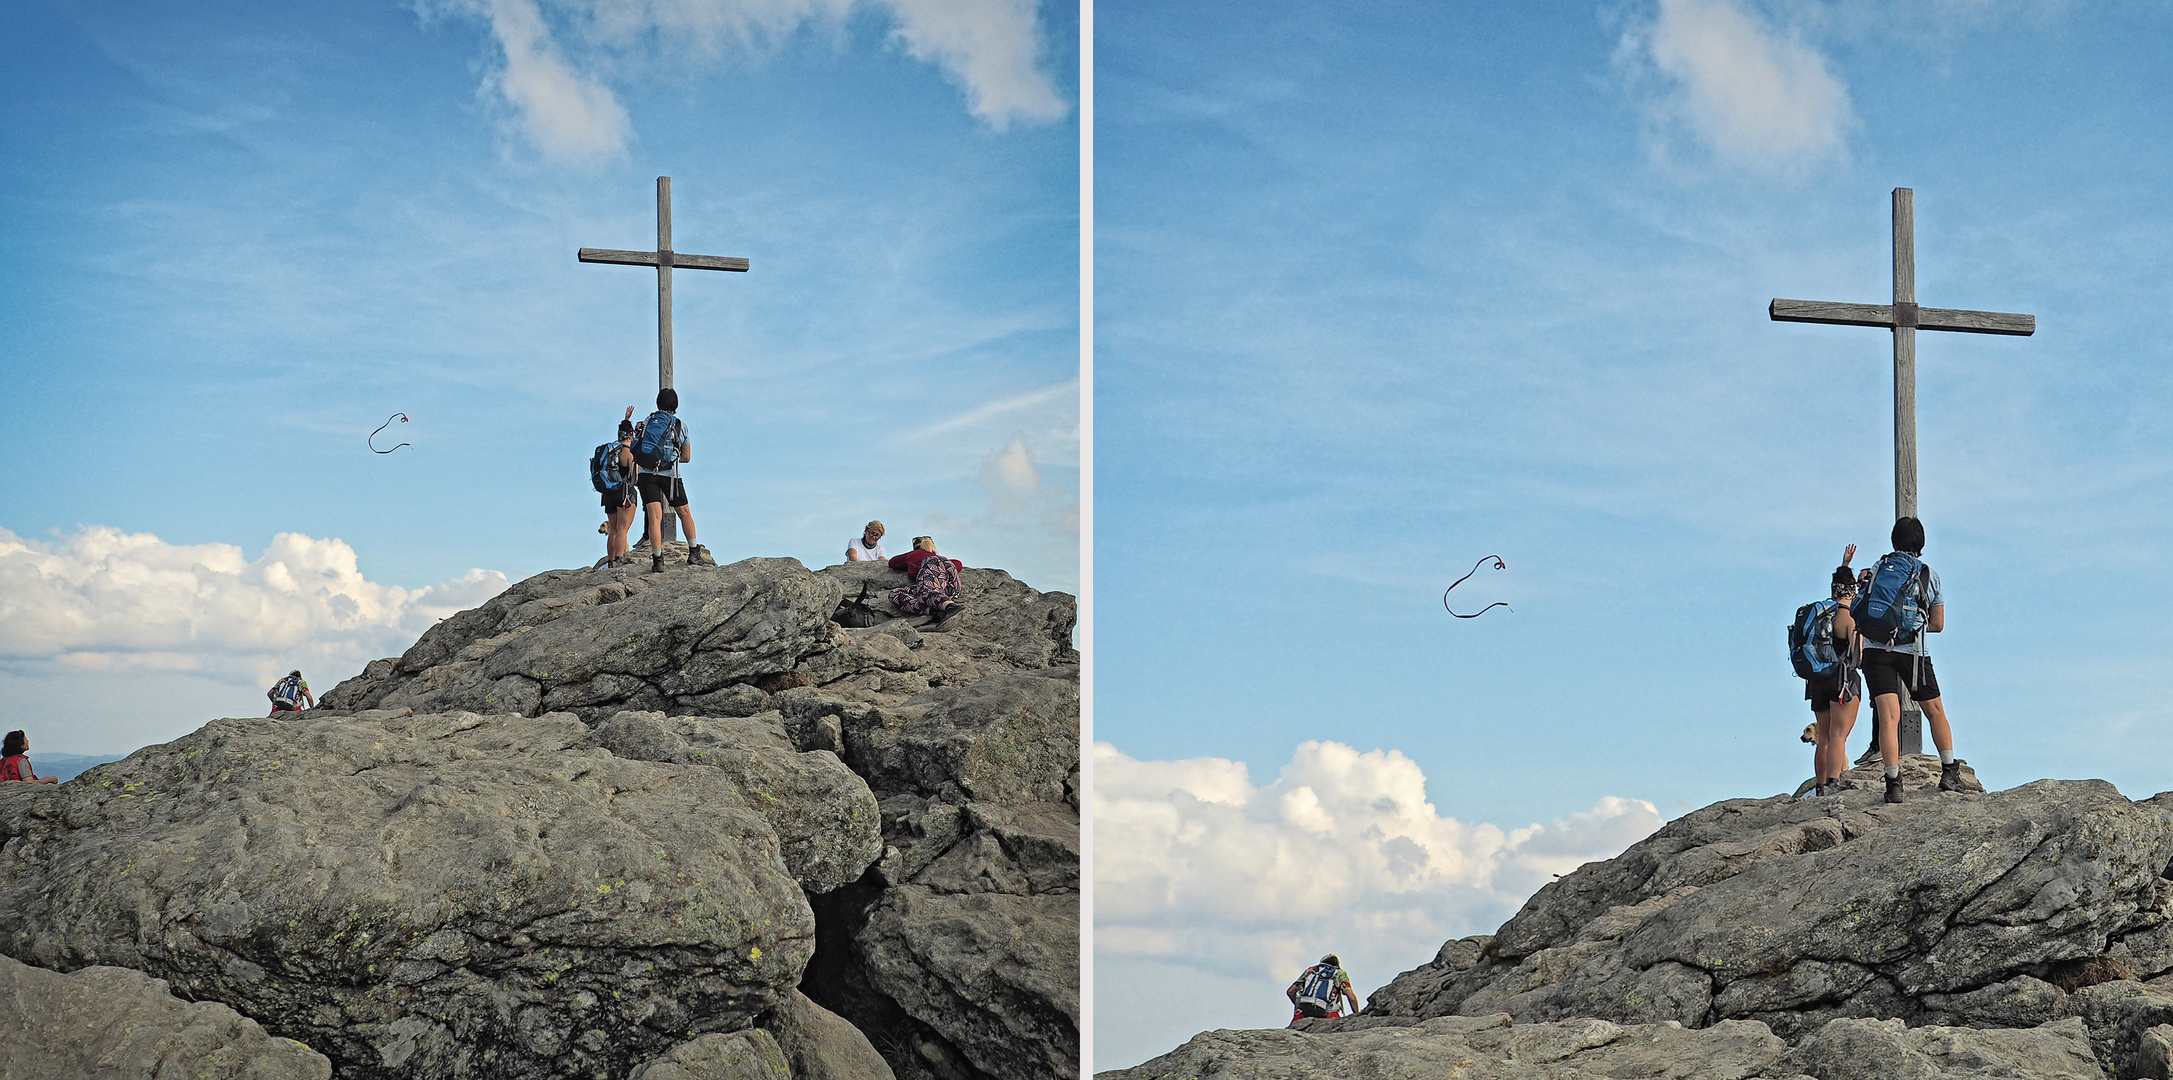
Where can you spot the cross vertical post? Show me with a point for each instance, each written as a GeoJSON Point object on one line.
{"type": "Point", "coordinates": [1904, 353]}
{"type": "Point", "coordinates": [1904, 317]}
{"type": "Point", "coordinates": [663, 282]}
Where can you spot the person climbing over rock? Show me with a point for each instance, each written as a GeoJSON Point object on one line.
{"type": "Point", "coordinates": [1901, 604]}
{"type": "Point", "coordinates": [933, 583]}
{"type": "Point", "coordinates": [1836, 694]}
{"type": "Point", "coordinates": [291, 694]}
{"type": "Point", "coordinates": [15, 761]}
{"type": "Point", "coordinates": [660, 447]}
{"type": "Point", "coordinates": [869, 548]}
{"type": "Point", "coordinates": [1320, 989]}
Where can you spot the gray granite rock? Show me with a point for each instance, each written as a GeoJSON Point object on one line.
{"type": "Point", "coordinates": [436, 896]}
{"type": "Point", "coordinates": [820, 1043]}
{"type": "Point", "coordinates": [1476, 1048]}
{"type": "Point", "coordinates": [1962, 907]}
{"type": "Point", "coordinates": [739, 1055]}
{"type": "Point", "coordinates": [122, 1024]}
{"type": "Point", "coordinates": [1856, 1049]}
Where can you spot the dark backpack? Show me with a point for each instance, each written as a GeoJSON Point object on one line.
{"type": "Point", "coordinates": [856, 613]}
{"type": "Point", "coordinates": [1317, 990]}
{"type": "Point", "coordinates": [1811, 647]}
{"type": "Point", "coordinates": [1891, 609]}
{"type": "Point", "coordinates": [604, 469]}
{"type": "Point", "coordinates": [653, 446]}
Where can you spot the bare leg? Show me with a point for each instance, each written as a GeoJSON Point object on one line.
{"type": "Point", "coordinates": [686, 522]}
{"type": "Point", "coordinates": [1887, 708]}
{"type": "Point", "coordinates": [1935, 711]}
{"type": "Point", "coordinates": [656, 527]}
{"type": "Point", "coordinates": [1822, 750]}
{"type": "Point", "coordinates": [1845, 720]}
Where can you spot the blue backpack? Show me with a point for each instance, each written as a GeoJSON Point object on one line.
{"type": "Point", "coordinates": [604, 470]}
{"type": "Point", "coordinates": [1811, 648]}
{"type": "Point", "coordinates": [653, 447]}
{"type": "Point", "coordinates": [1891, 609]}
{"type": "Point", "coordinates": [1317, 988]}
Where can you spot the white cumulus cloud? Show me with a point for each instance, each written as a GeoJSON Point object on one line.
{"type": "Point", "coordinates": [1756, 97]}
{"type": "Point", "coordinates": [1195, 865]}
{"type": "Point", "coordinates": [1010, 477]}
{"type": "Point", "coordinates": [104, 600]}
{"type": "Point", "coordinates": [567, 116]}
{"type": "Point", "coordinates": [555, 55]}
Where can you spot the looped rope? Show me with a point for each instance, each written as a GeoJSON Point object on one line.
{"type": "Point", "coordinates": [372, 440]}
{"type": "Point", "coordinates": [1498, 565]}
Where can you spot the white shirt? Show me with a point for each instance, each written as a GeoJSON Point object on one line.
{"type": "Point", "coordinates": [865, 553]}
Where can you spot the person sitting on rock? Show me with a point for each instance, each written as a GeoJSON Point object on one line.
{"type": "Point", "coordinates": [869, 548]}
{"type": "Point", "coordinates": [291, 694]}
{"type": "Point", "coordinates": [933, 586]}
{"type": "Point", "coordinates": [1836, 695]}
{"type": "Point", "coordinates": [15, 761]}
{"type": "Point", "coordinates": [1889, 667]}
{"type": "Point", "coordinates": [1320, 990]}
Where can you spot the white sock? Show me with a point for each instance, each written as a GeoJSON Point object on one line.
{"type": "Point", "coordinates": [1893, 772]}
{"type": "Point", "coordinates": [1946, 757]}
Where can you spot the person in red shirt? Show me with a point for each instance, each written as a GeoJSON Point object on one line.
{"type": "Point", "coordinates": [15, 762]}
{"type": "Point", "coordinates": [933, 585]}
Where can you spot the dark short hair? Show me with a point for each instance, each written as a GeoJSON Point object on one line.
{"type": "Point", "coordinates": [626, 427]}
{"type": "Point", "coordinates": [667, 399]}
{"type": "Point", "coordinates": [1908, 535]}
{"type": "Point", "coordinates": [1842, 575]}
{"type": "Point", "coordinates": [16, 742]}
{"type": "Point", "coordinates": [1331, 958]}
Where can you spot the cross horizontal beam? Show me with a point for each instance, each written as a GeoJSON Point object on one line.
{"type": "Point", "coordinates": [679, 261]}
{"type": "Point", "coordinates": [1921, 318]}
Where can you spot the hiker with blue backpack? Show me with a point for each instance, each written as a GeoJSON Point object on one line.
{"type": "Point", "coordinates": [612, 472]}
{"type": "Point", "coordinates": [1826, 651]}
{"type": "Point", "coordinates": [1900, 604]}
{"type": "Point", "coordinates": [660, 447]}
{"type": "Point", "coordinates": [1319, 991]}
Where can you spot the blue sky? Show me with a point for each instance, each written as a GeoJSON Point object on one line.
{"type": "Point", "coordinates": [1380, 292]}
{"type": "Point", "coordinates": [239, 236]}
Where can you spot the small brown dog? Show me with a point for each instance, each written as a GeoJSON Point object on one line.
{"type": "Point", "coordinates": [1810, 733]}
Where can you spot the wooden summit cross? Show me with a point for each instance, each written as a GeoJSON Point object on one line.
{"type": "Point", "coordinates": [1905, 318]}
{"type": "Point", "coordinates": [664, 259]}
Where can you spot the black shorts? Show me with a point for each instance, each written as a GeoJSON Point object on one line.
{"type": "Point", "coordinates": [1890, 671]}
{"type": "Point", "coordinates": [614, 500]}
{"type": "Point", "coordinates": [1826, 689]}
{"type": "Point", "coordinates": [657, 487]}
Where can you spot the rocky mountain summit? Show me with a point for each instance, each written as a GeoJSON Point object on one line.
{"type": "Point", "coordinates": [608, 824]}
{"type": "Point", "coordinates": [2019, 933]}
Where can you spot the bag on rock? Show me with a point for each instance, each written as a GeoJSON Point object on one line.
{"type": "Point", "coordinates": [1811, 648]}
{"type": "Point", "coordinates": [653, 448]}
{"type": "Point", "coordinates": [856, 613]}
{"type": "Point", "coordinates": [1890, 610]}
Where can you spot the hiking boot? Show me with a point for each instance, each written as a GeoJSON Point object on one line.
{"type": "Point", "coordinates": [1893, 789]}
{"type": "Point", "coordinates": [1950, 775]}
{"type": "Point", "coordinates": [700, 556]}
{"type": "Point", "coordinates": [656, 563]}
{"type": "Point", "coordinates": [946, 615]}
